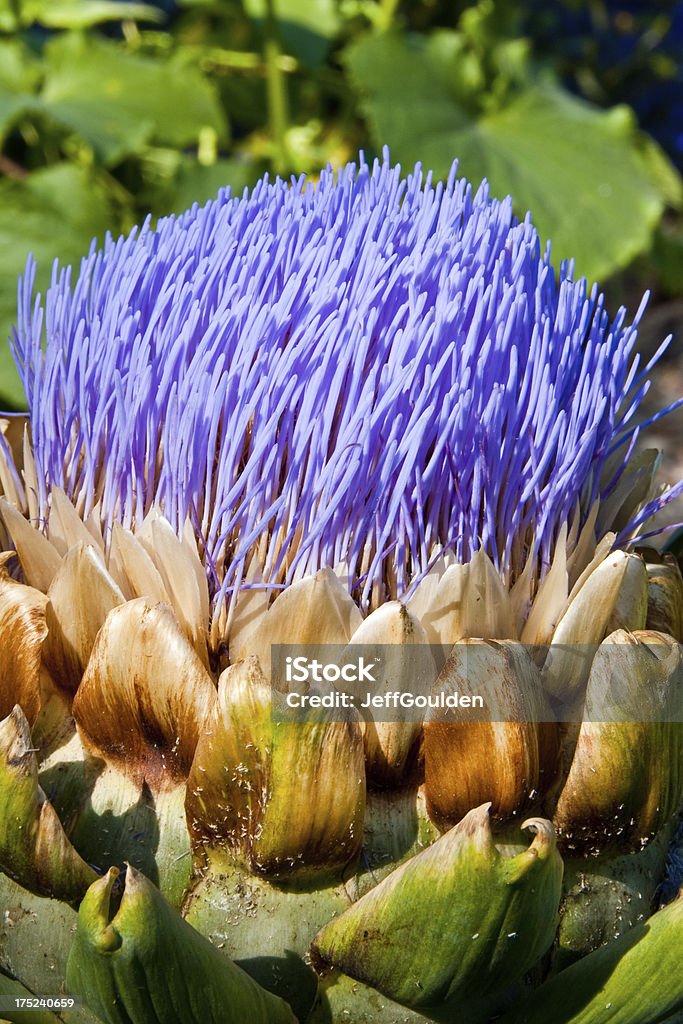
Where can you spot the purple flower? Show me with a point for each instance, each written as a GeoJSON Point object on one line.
{"type": "Point", "coordinates": [369, 371]}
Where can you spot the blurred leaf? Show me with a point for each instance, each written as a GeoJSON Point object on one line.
{"type": "Point", "coordinates": [8, 17]}
{"type": "Point", "coordinates": [419, 103]}
{"type": "Point", "coordinates": [667, 258]}
{"type": "Point", "coordinates": [117, 102]}
{"type": "Point", "coordinates": [663, 172]}
{"type": "Point", "coordinates": [578, 169]}
{"type": "Point", "coordinates": [84, 13]}
{"type": "Point", "coordinates": [191, 182]}
{"type": "Point", "coordinates": [306, 27]}
{"type": "Point", "coordinates": [19, 75]}
{"type": "Point", "coordinates": [197, 184]}
{"type": "Point", "coordinates": [245, 97]}
{"type": "Point", "coordinates": [54, 212]}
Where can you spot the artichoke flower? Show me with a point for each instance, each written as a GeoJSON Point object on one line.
{"type": "Point", "coordinates": [359, 413]}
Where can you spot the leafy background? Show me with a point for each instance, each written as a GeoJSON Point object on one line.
{"type": "Point", "coordinates": [110, 111]}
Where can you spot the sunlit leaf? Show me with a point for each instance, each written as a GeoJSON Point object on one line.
{"type": "Point", "coordinates": [578, 169]}
{"type": "Point", "coordinates": [55, 212]}
{"type": "Point", "coordinates": [667, 257]}
{"type": "Point", "coordinates": [196, 184]}
{"type": "Point", "coordinates": [306, 27]}
{"type": "Point", "coordinates": [18, 81]}
{"type": "Point", "coordinates": [84, 13]}
{"type": "Point", "coordinates": [117, 102]}
{"type": "Point", "coordinates": [8, 16]}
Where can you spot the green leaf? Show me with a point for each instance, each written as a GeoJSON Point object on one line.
{"type": "Point", "coordinates": [84, 13]}
{"type": "Point", "coordinates": [667, 257]}
{"type": "Point", "coordinates": [306, 27]}
{"type": "Point", "coordinates": [117, 102]}
{"type": "Point", "coordinates": [8, 17]}
{"type": "Point", "coordinates": [143, 964]}
{"type": "Point", "coordinates": [663, 172]}
{"type": "Point", "coordinates": [18, 81]}
{"type": "Point", "coordinates": [416, 106]}
{"type": "Point", "coordinates": [578, 169]}
{"type": "Point", "coordinates": [54, 212]}
{"type": "Point", "coordinates": [195, 183]}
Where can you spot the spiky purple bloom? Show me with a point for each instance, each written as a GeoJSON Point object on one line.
{"type": "Point", "coordinates": [367, 371]}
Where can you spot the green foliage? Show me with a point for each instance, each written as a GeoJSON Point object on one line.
{"type": "Point", "coordinates": [555, 155]}
{"type": "Point", "coordinates": [53, 211]}
{"type": "Point", "coordinates": [109, 111]}
{"type": "Point", "coordinates": [19, 77]}
{"type": "Point", "coordinates": [75, 14]}
{"type": "Point", "coordinates": [307, 27]}
{"type": "Point", "coordinates": [118, 103]}
{"type": "Point", "coordinates": [115, 102]}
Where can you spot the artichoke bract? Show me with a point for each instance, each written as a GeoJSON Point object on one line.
{"type": "Point", "coordinates": [361, 421]}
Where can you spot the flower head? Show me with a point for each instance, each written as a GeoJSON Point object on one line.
{"type": "Point", "coordinates": [370, 372]}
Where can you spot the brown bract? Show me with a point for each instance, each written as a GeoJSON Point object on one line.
{"type": "Point", "coordinates": [508, 756]}
{"type": "Point", "coordinates": [391, 747]}
{"type": "Point", "coordinates": [66, 528]}
{"type": "Point", "coordinates": [183, 576]}
{"type": "Point", "coordinates": [145, 694]}
{"type": "Point", "coordinates": [39, 559]}
{"type": "Point", "coordinates": [664, 595]}
{"type": "Point", "coordinates": [11, 432]}
{"type": "Point", "coordinates": [470, 600]}
{"type": "Point", "coordinates": [626, 776]}
{"type": "Point", "coordinates": [607, 596]}
{"type": "Point", "coordinates": [22, 634]}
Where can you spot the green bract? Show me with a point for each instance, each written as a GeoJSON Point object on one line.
{"type": "Point", "coordinates": [145, 964]}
